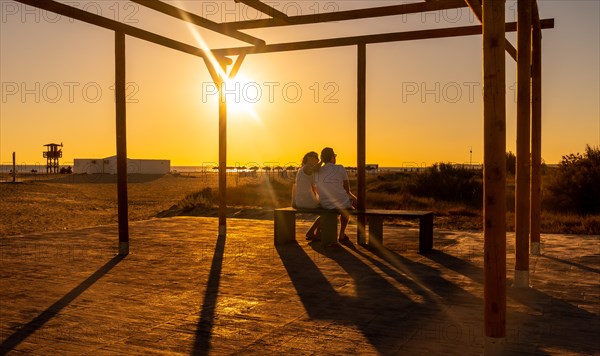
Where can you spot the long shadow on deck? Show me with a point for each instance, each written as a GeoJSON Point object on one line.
{"type": "Point", "coordinates": [553, 322]}
{"type": "Point", "coordinates": [387, 317]}
{"type": "Point", "coordinates": [209, 305]}
{"type": "Point", "coordinates": [36, 323]}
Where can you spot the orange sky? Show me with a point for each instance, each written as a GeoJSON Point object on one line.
{"type": "Point", "coordinates": [424, 100]}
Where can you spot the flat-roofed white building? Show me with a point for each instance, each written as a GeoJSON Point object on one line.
{"type": "Point", "coordinates": [108, 165]}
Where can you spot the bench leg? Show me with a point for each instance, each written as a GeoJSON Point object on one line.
{"type": "Point", "coordinates": [375, 231]}
{"type": "Point", "coordinates": [285, 227]}
{"type": "Point", "coordinates": [328, 225]}
{"type": "Point", "coordinates": [425, 233]}
{"type": "Point", "coordinates": [361, 231]}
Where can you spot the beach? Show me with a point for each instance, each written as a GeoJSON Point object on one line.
{"type": "Point", "coordinates": [69, 202]}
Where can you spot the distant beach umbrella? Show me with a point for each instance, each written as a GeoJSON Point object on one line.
{"type": "Point", "coordinates": [291, 168]}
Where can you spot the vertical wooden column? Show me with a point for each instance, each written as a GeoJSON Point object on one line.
{"type": "Point", "coordinates": [121, 143]}
{"type": "Point", "coordinates": [494, 182]}
{"type": "Point", "coordinates": [222, 155]}
{"type": "Point", "coordinates": [14, 170]}
{"type": "Point", "coordinates": [522, 184]}
{"type": "Point", "coordinates": [536, 140]}
{"type": "Point", "coordinates": [361, 139]}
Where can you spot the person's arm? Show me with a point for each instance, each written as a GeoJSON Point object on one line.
{"type": "Point", "coordinates": [294, 195]}
{"type": "Point", "coordinates": [347, 189]}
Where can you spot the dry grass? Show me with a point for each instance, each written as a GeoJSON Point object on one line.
{"type": "Point", "coordinates": [389, 191]}
{"type": "Point", "coordinates": [79, 201]}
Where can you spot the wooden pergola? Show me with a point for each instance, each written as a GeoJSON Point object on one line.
{"type": "Point", "coordinates": [493, 26]}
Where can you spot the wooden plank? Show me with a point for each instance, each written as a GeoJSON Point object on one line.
{"type": "Point", "coordinates": [222, 156]}
{"type": "Point", "coordinates": [181, 14]}
{"type": "Point", "coordinates": [367, 39]}
{"type": "Point", "coordinates": [475, 6]}
{"type": "Point", "coordinates": [494, 181]}
{"type": "Point", "coordinates": [522, 175]}
{"type": "Point", "coordinates": [265, 9]}
{"type": "Point", "coordinates": [107, 23]}
{"type": "Point", "coordinates": [121, 131]}
{"type": "Point", "coordinates": [381, 212]}
{"type": "Point", "coordinates": [536, 140]}
{"type": "Point", "coordinates": [361, 137]}
{"type": "Point", "coordinates": [392, 10]}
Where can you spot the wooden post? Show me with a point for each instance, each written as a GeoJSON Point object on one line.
{"type": "Point", "coordinates": [494, 182]}
{"type": "Point", "coordinates": [361, 139]}
{"type": "Point", "coordinates": [522, 193]}
{"type": "Point", "coordinates": [536, 140]}
{"type": "Point", "coordinates": [14, 171]}
{"type": "Point", "coordinates": [121, 143]}
{"type": "Point", "coordinates": [222, 155]}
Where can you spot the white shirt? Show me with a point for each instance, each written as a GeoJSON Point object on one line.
{"type": "Point", "coordinates": [305, 197]}
{"type": "Point", "coordinates": [330, 186]}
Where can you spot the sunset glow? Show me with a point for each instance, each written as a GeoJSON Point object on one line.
{"type": "Point", "coordinates": [424, 102]}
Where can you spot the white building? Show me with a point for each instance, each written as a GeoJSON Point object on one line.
{"type": "Point", "coordinates": [108, 165]}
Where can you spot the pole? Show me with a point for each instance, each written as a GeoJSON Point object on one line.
{"type": "Point", "coordinates": [121, 143]}
{"type": "Point", "coordinates": [536, 140]}
{"type": "Point", "coordinates": [522, 175]}
{"type": "Point", "coordinates": [222, 156]}
{"type": "Point", "coordinates": [494, 183]}
{"type": "Point", "coordinates": [361, 126]}
{"type": "Point", "coordinates": [14, 171]}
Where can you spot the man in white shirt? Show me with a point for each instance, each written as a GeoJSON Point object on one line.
{"type": "Point", "coordinates": [333, 188]}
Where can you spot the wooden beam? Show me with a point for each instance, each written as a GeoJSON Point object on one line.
{"type": "Point", "coordinates": [522, 175]}
{"type": "Point", "coordinates": [361, 138]}
{"type": "Point", "coordinates": [475, 6]}
{"type": "Point", "coordinates": [379, 38]}
{"type": "Point", "coordinates": [393, 10]}
{"type": "Point", "coordinates": [222, 155]}
{"type": "Point", "coordinates": [536, 140]}
{"type": "Point", "coordinates": [198, 20]}
{"type": "Point", "coordinates": [121, 128]}
{"type": "Point", "coordinates": [535, 16]}
{"type": "Point", "coordinates": [265, 9]}
{"type": "Point", "coordinates": [237, 65]}
{"type": "Point", "coordinates": [109, 24]}
{"type": "Point", "coordinates": [494, 181]}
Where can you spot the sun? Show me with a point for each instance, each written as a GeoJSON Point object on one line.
{"type": "Point", "coordinates": [242, 95]}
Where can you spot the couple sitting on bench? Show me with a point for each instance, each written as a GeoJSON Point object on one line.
{"type": "Point", "coordinates": [323, 184]}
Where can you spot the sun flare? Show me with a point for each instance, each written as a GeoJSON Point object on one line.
{"type": "Point", "coordinates": [242, 94]}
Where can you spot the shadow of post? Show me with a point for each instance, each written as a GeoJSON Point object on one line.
{"type": "Point", "coordinates": [209, 304]}
{"type": "Point", "coordinates": [36, 323]}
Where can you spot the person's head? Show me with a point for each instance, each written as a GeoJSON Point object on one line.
{"type": "Point", "coordinates": [327, 155]}
{"type": "Point", "coordinates": [310, 158]}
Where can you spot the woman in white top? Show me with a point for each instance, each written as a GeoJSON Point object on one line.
{"type": "Point", "coordinates": [304, 193]}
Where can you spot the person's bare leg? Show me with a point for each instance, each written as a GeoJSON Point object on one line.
{"type": "Point", "coordinates": [312, 233]}
{"type": "Point", "coordinates": [344, 218]}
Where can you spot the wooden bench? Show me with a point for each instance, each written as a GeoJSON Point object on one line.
{"type": "Point", "coordinates": [285, 224]}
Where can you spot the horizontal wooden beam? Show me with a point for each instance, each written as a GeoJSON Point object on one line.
{"type": "Point", "coordinates": [379, 38]}
{"type": "Point", "coordinates": [475, 6]}
{"type": "Point", "coordinates": [198, 20]}
{"type": "Point", "coordinates": [109, 24]}
{"type": "Point", "coordinates": [265, 9]}
{"type": "Point", "coordinates": [392, 10]}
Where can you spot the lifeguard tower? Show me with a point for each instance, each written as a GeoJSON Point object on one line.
{"type": "Point", "coordinates": [52, 155]}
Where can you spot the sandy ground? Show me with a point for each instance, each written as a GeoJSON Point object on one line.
{"type": "Point", "coordinates": [69, 202]}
